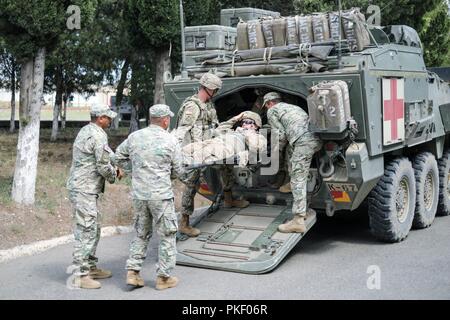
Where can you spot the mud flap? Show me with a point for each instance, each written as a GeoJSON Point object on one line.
{"type": "Point", "coordinates": [240, 240]}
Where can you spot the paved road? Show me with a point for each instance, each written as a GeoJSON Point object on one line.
{"type": "Point", "coordinates": [331, 262]}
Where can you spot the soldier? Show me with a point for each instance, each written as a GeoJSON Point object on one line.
{"type": "Point", "coordinates": [197, 119]}
{"type": "Point", "coordinates": [236, 136]}
{"type": "Point", "coordinates": [91, 166]}
{"type": "Point", "coordinates": [155, 155]}
{"type": "Point", "coordinates": [292, 122]}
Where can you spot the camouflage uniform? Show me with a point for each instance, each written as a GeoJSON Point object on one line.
{"type": "Point", "coordinates": [292, 123]}
{"type": "Point", "coordinates": [90, 167]}
{"type": "Point", "coordinates": [155, 155]}
{"type": "Point", "coordinates": [196, 122]}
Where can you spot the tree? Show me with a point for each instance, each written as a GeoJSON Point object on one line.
{"type": "Point", "coordinates": [9, 76]}
{"type": "Point", "coordinates": [435, 35]}
{"type": "Point", "coordinates": [31, 29]}
{"type": "Point", "coordinates": [429, 18]}
{"type": "Point", "coordinates": [284, 7]}
{"type": "Point", "coordinates": [116, 43]}
{"type": "Point", "coordinates": [159, 24]}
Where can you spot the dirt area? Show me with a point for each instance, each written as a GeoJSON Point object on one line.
{"type": "Point", "coordinates": [51, 215]}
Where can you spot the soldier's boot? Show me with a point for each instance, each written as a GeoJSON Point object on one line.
{"type": "Point", "coordinates": [86, 282]}
{"type": "Point", "coordinates": [186, 228]}
{"type": "Point", "coordinates": [296, 225]}
{"type": "Point", "coordinates": [228, 201]}
{"type": "Point", "coordinates": [285, 188]}
{"type": "Point", "coordinates": [281, 177]}
{"type": "Point", "coordinates": [166, 282]}
{"type": "Point", "coordinates": [96, 273]}
{"type": "Point", "coordinates": [134, 278]}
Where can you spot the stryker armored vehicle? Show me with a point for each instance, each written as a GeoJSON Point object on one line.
{"type": "Point", "coordinates": [386, 140]}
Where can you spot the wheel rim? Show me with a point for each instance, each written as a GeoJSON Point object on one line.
{"type": "Point", "coordinates": [402, 200]}
{"type": "Point", "coordinates": [429, 191]}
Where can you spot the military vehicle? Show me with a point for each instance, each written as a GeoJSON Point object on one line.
{"type": "Point", "coordinates": [389, 148]}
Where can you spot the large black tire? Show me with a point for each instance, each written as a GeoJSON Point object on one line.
{"type": "Point", "coordinates": [392, 202]}
{"type": "Point", "coordinates": [427, 189]}
{"type": "Point", "coordinates": [444, 185]}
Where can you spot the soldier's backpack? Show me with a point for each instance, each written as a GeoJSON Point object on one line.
{"type": "Point", "coordinates": [321, 29]}
{"type": "Point", "coordinates": [242, 36]}
{"type": "Point", "coordinates": [355, 32]}
{"type": "Point", "coordinates": [335, 31]}
{"type": "Point", "coordinates": [291, 30]}
{"type": "Point", "coordinates": [279, 31]}
{"type": "Point", "coordinates": [255, 35]}
{"type": "Point", "coordinates": [305, 30]}
{"type": "Point", "coordinates": [329, 107]}
{"type": "Point", "coordinates": [267, 24]}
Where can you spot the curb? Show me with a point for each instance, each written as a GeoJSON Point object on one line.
{"type": "Point", "coordinates": [44, 245]}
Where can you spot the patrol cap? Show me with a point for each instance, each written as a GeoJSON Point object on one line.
{"type": "Point", "coordinates": [99, 110]}
{"type": "Point", "coordinates": [211, 81]}
{"type": "Point", "coordinates": [271, 96]}
{"type": "Point", "coordinates": [254, 116]}
{"type": "Point", "coordinates": [160, 110]}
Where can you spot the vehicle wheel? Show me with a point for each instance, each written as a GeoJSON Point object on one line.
{"type": "Point", "coordinates": [444, 185]}
{"type": "Point", "coordinates": [392, 202]}
{"type": "Point", "coordinates": [427, 189]}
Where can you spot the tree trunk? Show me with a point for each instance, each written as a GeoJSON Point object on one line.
{"type": "Point", "coordinates": [64, 110]}
{"type": "Point", "coordinates": [119, 95]}
{"type": "Point", "coordinates": [12, 123]}
{"type": "Point", "coordinates": [58, 103]}
{"type": "Point", "coordinates": [162, 64]}
{"type": "Point", "coordinates": [31, 90]}
{"type": "Point", "coordinates": [134, 119]}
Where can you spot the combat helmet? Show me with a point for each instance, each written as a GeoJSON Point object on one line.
{"type": "Point", "coordinates": [211, 81]}
{"type": "Point", "coordinates": [254, 116]}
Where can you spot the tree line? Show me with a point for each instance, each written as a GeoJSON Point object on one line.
{"type": "Point", "coordinates": [76, 46]}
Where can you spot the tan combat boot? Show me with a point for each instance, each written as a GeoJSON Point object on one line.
{"type": "Point", "coordinates": [96, 273]}
{"type": "Point", "coordinates": [296, 225]}
{"type": "Point", "coordinates": [285, 188]}
{"type": "Point", "coordinates": [186, 228]}
{"type": "Point", "coordinates": [281, 177]}
{"type": "Point", "coordinates": [134, 278]}
{"type": "Point", "coordinates": [86, 282]}
{"type": "Point", "coordinates": [228, 201]}
{"type": "Point", "coordinates": [166, 282]}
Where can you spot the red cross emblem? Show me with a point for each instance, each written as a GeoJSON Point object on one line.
{"type": "Point", "coordinates": [393, 110]}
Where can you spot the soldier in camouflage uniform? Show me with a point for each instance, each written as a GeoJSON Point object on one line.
{"type": "Point", "coordinates": [292, 123]}
{"type": "Point", "coordinates": [237, 136]}
{"type": "Point", "coordinates": [197, 118]}
{"type": "Point", "coordinates": [91, 166]}
{"type": "Point", "coordinates": [155, 157]}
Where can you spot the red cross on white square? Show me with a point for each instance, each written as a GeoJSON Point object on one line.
{"type": "Point", "coordinates": [393, 110]}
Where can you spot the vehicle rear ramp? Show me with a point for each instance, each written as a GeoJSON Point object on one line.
{"type": "Point", "coordinates": [240, 240]}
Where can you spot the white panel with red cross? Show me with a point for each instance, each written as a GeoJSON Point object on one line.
{"type": "Point", "coordinates": [393, 110]}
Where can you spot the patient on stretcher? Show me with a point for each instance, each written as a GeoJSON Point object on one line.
{"type": "Point", "coordinates": [236, 139]}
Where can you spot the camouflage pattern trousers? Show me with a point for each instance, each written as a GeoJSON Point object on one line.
{"type": "Point", "coordinates": [160, 214]}
{"type": "Point", "coordinates": [86, 219]}
{"type": "Point", "coordinates": [227, 176]}
{"type": "Point", "coordinates": [187, 199]}
{"type": "Point", "coordinates": [300, 160]}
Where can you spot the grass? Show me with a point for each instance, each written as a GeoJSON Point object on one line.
{"type": "Point", "coordinates": [5, 190]}
{"type": "Point", "coordinates": [50, 216]}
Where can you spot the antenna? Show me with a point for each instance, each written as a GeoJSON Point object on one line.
{"type": "Point", "coordinates": [340, 35]}
{"type": "Point", "coordinates": [183, 49]}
